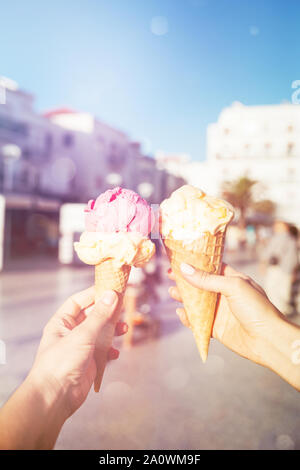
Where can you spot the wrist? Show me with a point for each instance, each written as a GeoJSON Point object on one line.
{"type": "Point", "coordinates": [33, 416]}
{"type": "Point", "coordinates": [279, 349]}
{"type": "Point", "coordinates": [50, 396]}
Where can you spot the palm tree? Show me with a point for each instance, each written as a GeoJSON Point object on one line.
{"type": "Point", "coordinates": [240, 193]}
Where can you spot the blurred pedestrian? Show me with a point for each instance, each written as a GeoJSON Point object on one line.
{"type": "Point", "coordinates": [295, 294]}
{"type": "Point", "coordinates": [232, 238]}
{"type": "Point", "coordinates": [251, 239]}
{"type": "Point", "coordinates": [281, 259]}
{"type": "Point", "coordinates": [132, 293]}
{"type": "Point", "coordinates": [242, 238]}
{"type": "Point", "coordinates": [152, 279]}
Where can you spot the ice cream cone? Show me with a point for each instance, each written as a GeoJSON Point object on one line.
{"type": "Point", "coordinates": [108, 277]}
{"type": "Point", "coordinates": [117, 225]}
{"type": "Point", "coordinates": [205, 254]}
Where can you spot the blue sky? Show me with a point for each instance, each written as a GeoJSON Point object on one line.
{"type": "Point", "coordinates": [102, 56]}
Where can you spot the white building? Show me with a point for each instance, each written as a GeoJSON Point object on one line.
{"type": "Point", "coordinates": [192, 172]}
{"type": "Point", "coordinates": [262, 143]}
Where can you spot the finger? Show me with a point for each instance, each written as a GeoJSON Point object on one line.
{"type": "Point", "coordinates": [72, 307]}
{"type": "Point", "coordinates": [102, 319]}
{"type": "Point", "coordinates": [121, 328]}
{"type": "Point", "coordinates": [171, 274]}
{"type": "Point", "coordinates": [257, 286]}
{"type": "Point", "coordinates": [113, 354]}
{"type": "Point", "coordinates": [230, 271]}
{"type": "Point", "coordinates": [174, 293]}
{"type": "Point", "coordinates": [207, 281]}
{"type": "Point", "coordinates": [183, 317]}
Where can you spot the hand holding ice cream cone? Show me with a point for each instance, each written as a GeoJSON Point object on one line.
{"type": "Point", "coordinates": [117, 226]}
{"type": "Point", "coordinates": [193, 227]}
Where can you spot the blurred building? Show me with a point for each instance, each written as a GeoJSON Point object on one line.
{"type": "Point", "coordinates": [101, 155]}
{"type": "Point", "coordinates": [104, 157]}
{"type": "Point", "coordinates": [176, 164]}
{"type": "Point", "coordinates": [262, 143]}
{"type": "Point", "coordinates": [30, 212]}
{"type": "Point", "coordinates": [59, 157]}
{"type": "Point", "coordinates": [192, 172]}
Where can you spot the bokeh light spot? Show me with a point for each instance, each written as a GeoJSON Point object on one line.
{"type": "Point", "coordinates": [114, 390]}
{"type": "Point", "coordinates": [215, 364]}
{"type": "Point", "coordinates": [254, 31]}
{"type": "Point", "coordinates": [114, 179]}
{"type": "Point", "coordinates": [176, 378]}
{"type": "Point", "coordinates": [159, 25]}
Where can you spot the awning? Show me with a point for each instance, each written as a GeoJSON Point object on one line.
{"type": "Point", "coordinates": [29, 202]}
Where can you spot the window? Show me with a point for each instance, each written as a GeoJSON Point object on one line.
{"type": "Point", "coordinates": [247, 150]}
{"type": "Point", "coordinates": [99, 181]}
{"type": "Point", "coordinates": [116, 160]}
{"type": "Point", "coordinates": [68, 140]}
{"type": "Point", "coordinates": [291, 174]}
{"type": "Point", "coordinates": [290, 148]}
{"type": "Point", "coordinates": [48, 142]}
{"type": "Point", "coordinates": [24, 178]}
{"type": "Point", "coordinates": [101, 141]}
{"type": "Point", "coordinates": [116, 157]}
{"type": "Point", "coordinates": [26, 154]}
{"type": "Point", "coordinates": [267, 146]}
{"type": "Point", "coordinates": [15, 127]}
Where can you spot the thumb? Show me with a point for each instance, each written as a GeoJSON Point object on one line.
{"type": "Point", "coordinates": [207, 281]}
{"type": "Point", "coordinates": [102, 318]}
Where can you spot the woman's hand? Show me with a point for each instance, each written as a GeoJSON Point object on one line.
{"type": "Point", "coordinates": [245, 320]}
{"type": "Point", "coordinates": [243, 310]}
{"type": "Point", "coordinates": [63, 371]}
{"type": "Point", "coordinates": [66, 355]}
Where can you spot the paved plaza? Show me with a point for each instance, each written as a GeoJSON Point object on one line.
{"type": "Point", "coordinates": [158, 395]}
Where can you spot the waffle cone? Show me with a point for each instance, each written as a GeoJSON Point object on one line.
{"type": "Point", "coordinates": [108, 277]}
{"type": "Point", "coordinates": [205, 254]}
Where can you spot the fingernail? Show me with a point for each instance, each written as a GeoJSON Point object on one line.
{"type": "Point", "coordinates": [108, 297]}
{"type": "Point", "coordinates": [187, 269]}
{"type": "Point", "coordinates": [115, 353]}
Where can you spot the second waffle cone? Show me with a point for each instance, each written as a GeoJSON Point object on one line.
{"type": "Point", "coordinates": [205, 254]}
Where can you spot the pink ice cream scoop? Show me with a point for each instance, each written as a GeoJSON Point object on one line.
{"type": "Point", "coordinates": [119, 210]}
